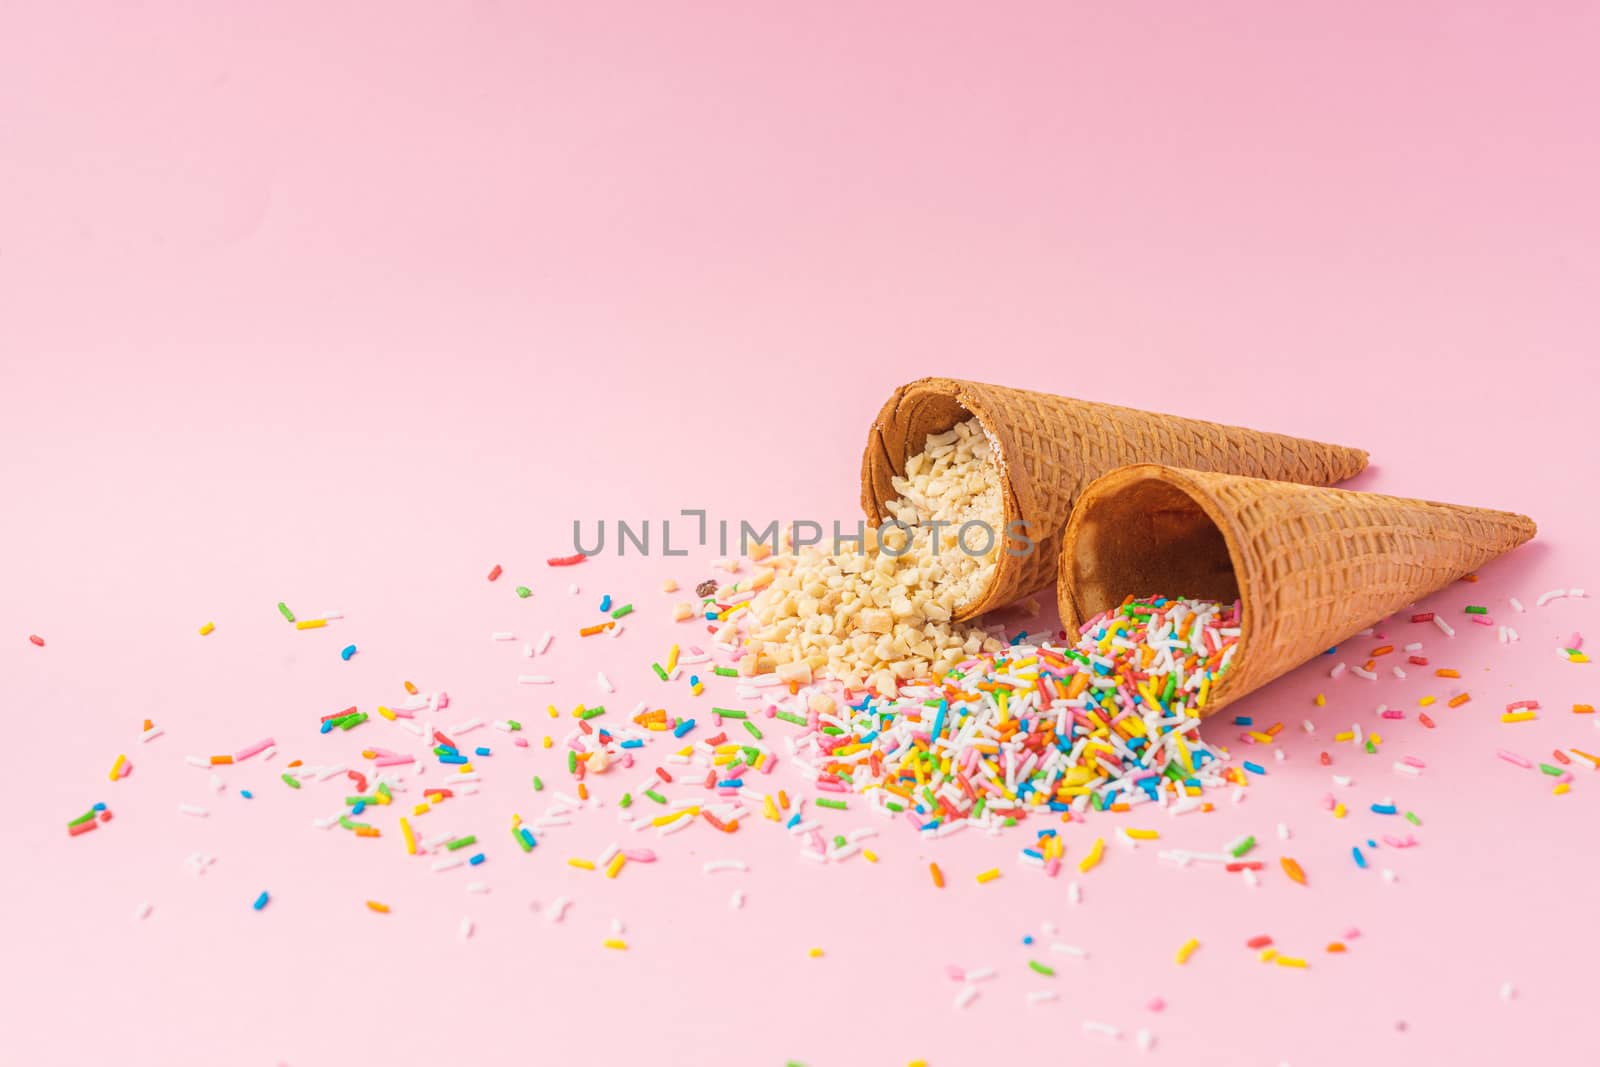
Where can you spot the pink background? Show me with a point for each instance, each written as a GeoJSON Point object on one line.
{"type": "Point", "coordinates": [343, 304]}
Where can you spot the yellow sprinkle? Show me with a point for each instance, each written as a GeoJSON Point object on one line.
{"type": "Point", "coordinates": [1089, 862]}
{"type": "Point", "coordinates": [1578, 657]}
{"type": "Point", "coordinates": [1186, 950]}
{"type": "Point", "coordinates": [381, 909]}
{"type": "Point", "coordinates": [770, 810]}
{"type": "Point", "coordinates": [1375, 739]}
{"type": "Point", "coordinates": [116, 768]}
{"type": "Point", "coordinates": [1289, 961]}
{"type": "Point", "coordinates": [465, 768]}
{"type": "Point", "coordinates": [554, 714]}
{"type": "Point", "coordinates": [616, 943]}
{"type": "Point", "coordinates": [386, 713]}
{"type": "Point", "coordinates": [411, 839]}
{"type": "Point", "coordinates": [1321, 701]}
{"type": "Point", "coordinates": [207, 628]}
{"type": "Point", "coordinates": [1268, 955]}
{"type": "Point", "coordinates": [1140, 835]}
{"type": "Point", "coordinates": [1518, 716]}
{"type": "Point", "coordinates": [988, 876]}
{"type": "Point", "coordinates": [547, 741]}
{"type": "Point", "coordinates": [615, 865]}
{"type": "Point", "coordinates": [422, 809]}
{"type": "Point", "coordinates": [1562, 788]}
{"type": "Point", "coordinates": [869, 855]}
{"type": "Point", "coordinates": [582, 865]}
{"type": "Point", "coordinates": [1260, 738]}
{"type": "Point", "coordinates": [666, 820]}
{"type": "Point", "coordinates": [1339, 810]}
{"type": "Point", "coordinates": [1344, 735]}
{"type": "Point", "coordinates": [1426, 701]}
{"type": "Point", "coordinates": [310, 624]}
{"type": "Point", "coordinates": [672, 659]}
{"type": "Point", "coordinates": [815, 953]}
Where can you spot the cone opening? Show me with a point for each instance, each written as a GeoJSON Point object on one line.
{"type": "Point", "coordinates": [1144, 538]}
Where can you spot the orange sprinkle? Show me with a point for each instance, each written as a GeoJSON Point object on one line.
{"type": "Point", "coordinates": [381, 909]}
{"type": "Point", "coordinates": [411, 689]}
{"type": "Point", "coordinates": [590, 631]}
{"type": "Point", "coordinates": [294, 763]}
{"type": "Point", "coordinates": [1577, 709]}
{"type": "Point", "coordinates": [938, 875]}
{"type": "Point", "coordinates": [1383, 650]}
{"type": "Point", "coordinates": [1447, 672]}
{"type": "Point", "coordinates": [1371, 663]}
{"type": "Point", "coordinates": [217, 761]}
{"type": "Point", "coordinates": [1336, 946]}
{"type": "Point", "coordinates": [367, 831]}
{"type": "Point", "coordinates": [1469, 577]}
{"type": "Point", "coordinates": [1459, 699]}
{"type": "Point", "coordinates": [148, 724]}
{"type": "Point", "coordinates": [1293, 870]}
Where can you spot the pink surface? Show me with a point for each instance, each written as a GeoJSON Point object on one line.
{"type": "Point", "coordinates": [344, 307]}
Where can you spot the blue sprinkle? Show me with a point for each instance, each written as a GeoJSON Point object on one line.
{"type": "Point", "coordinates": [246, 794]}
{"type": "Point", "coordinates": [1243, 720]}
{"type": "Point", "coordinates": [100, 806]}
{"type": "Point", "coordinates": [1027, 939]}
{"type": "Point", "coordinates": [261, 901]}
{"type": "Point", "coordinates": [1254, 768]}
{"type": "Point", "coordinates": [327, 726]}
{"type": "Point", "coordinates": [1056, 805]}
{"type": "Point", "coordinates": [1046, 833]}
{"type": "Point", "coordinates": [347, 651]}
{"type": "Point", "coordinates": [1384, 809]}
{"type": "Point", "coordinates": [794, 820]}
{"type": "Point", "coordinates": [1035, 854]}
{"type": "Point", "coordinates": [1371, 843]}
{"type": "Point", "coordinates": [480, 751]}
{"type": "Point", "coordinates": [522, 832]}
{"type": "Point", "coordinates": [1331, 651]}
{"type": "Point", "coordinates": [605, 602]}
{"type": "Point", "coordinates": [476, 859]}
{"type": "Point", "coordinates": [1019, 638]}
{"type": "Point", "coordinates": [934, 825]}
{"type": "Point", "coordinates": [358, 807]}
{"type": "Point", "coordinates": [452, 759]}
{"type": "Point", "coordinates": [1361, 861]}
{"type": "Point", "coordinates": [634, 743]}
{"type": "Point", "coordinates": [683, 727]}
{"type": "Point", "coordinates": [694, 679]}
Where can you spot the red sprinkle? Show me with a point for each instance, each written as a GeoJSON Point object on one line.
{"type": "Point", "coordinates": [1426, 616]}
{"type": "Point", "coordinates": [1422, 717]}
{"type": "Point", "coordinates": [82, 828]}
{"type": "Point", "coordinates": [566, 561]}
{"type": "Point", "coordinates": [1561, 757]}
{"type": "Point", "coordinates": [1245, 865]}
{"type": "Point", "coordinates": [36, 639]}
{"type": "Point", "coordinates": [1327, 761]}
{"type": "Point", "coordinates": [443, 740]}
{"type": "Point", "coordinates": [1421, 661]}
{"type": "Point", "coordinates": [663, 775]}
{"type": "Point", "coordinates": [359, 779]}
{"type": "Point", "coordinates": [351, 710]}
{"type": "Point", "coordinates": [1531, 705]}
{"type": "Point", "coordinates": [494, 573]}
{"type": "Point", "coordinates": [1258, 942]}
{"type": "Point", "coordinates": [713, 820]}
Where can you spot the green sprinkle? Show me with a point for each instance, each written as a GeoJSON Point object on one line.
{"type": "Point", "coordinates": [626, 801]}
{"type": "Point", "coordinates": [626, 609]}
{"type": "Point", "coordinates": [661, 672]}
{"type": "Point", "coordinates": [726, 672]}
{"type": "Point", "coordinates": [352, 720]}
{"type": "Point", "coordinates": [1097, 802]}
{"type": "Point", "coordinates": [346, 822]}
{"type": "Point", "coordinates": [593, 713]}
{"type": "Point", "coordinates": [1553, 771]}
{"type": "Point", "coordinates": [383, 790]}
{"type": "Point", "coordinates": [86, 816]}
{"type": "Point", "coordinates": [897, 807]}
{"type": "Point", "coordinates": [828, 802]}
{"type": "Point", "coordinates": [1372, 749]}
{"type": "Point", "coordinates": [514, 724]}
{"type": "Point", "coordinates": [572, 762]}
{"type": "Point", "coordinates": [290, 780]}
{"type": "Point", "coordinates": [283, 609]}
{"type": "Point", "coordinates": [789, 716]}
{"type": "Point", "coordinates": [653, 795]}
{"type": "Point", "coordinates": [1411, 817]}
{"type": "Point", "coordinates": [461, 842]}
{"type": "Point", "coordinates": [832, 731]}
{"type": "Point", "coordinates": [730, 713]}
{"type": "Point", "coordinates": [538, 784]}
{"type": "Point", "coordinates": [977, 809]}
{"type": "Point", "coordinates": [755, 731]}
{"type": "Point", "coordinates": [524, 592]}
{"type": "Point", "coordinates": [1244, 846]}
{"type": "Point", "coordinates": [359, 800]}
{"type": "Point", "coordinates": [1009, 821]}
{"type": "Point", "coordinates": [1477, 609]}
{"type": "Point", "coordinates": [519, 839]}
{"type": "Point", "coordinates": [839, 841]}
{"type": "Point", "coordinates": [1039, 968]}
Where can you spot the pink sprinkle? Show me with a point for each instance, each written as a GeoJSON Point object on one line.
{"type": "Point", "coordinates": [1156, 1004]}
{"type": "Point", "coordinates": [1564, 777]}
{"type": "Point", "coordinates": [955, 973]}
{"type": "Point", "coordinates": [915, 822]}
{"type": "Point", "coordinates": [1530, 705]}
{"type": "Point", "coordinates": [1053, 867]}
{"type": "Point", "coordinates": [831, 787]}
{"type": "Point", "coordinates": [1394, 714]}
{"type": "Point", "coordinates": [772, 711]}
{"type": "Point", "coordinates": [1407, 841]}
{"type": "Point", "coordinates": [639, 855]}
{"type": "Point", "coordinates": [521, 742]}
{"type": "Point", "coordinates": [1328, 801]}
{"type": "Point", "coordinates": [391, 761]}
{"type": "Point", "coordinates": [1576, 642]}
{"type": "Point", "coordinates": [771, 762]}
{"type": "Point", "coordinates": [1247, 739]}
{"type": "Point", "coordinates": [444, 700]}
{"type": "Point", "coordinates": [1512, 757]}
{"type": "Point", "coordinates": [1412, 761]}
{"type": "Point", "coordinates": [1352, 933]}
{"type": "Point", "coordinates": [127, 768]}
{"type": "Point", "coordinates": [575, 744]}
{"type": "Point", "coordinates": [1483, 620]}
{"type": "Point", "coordinates": [259, 746]}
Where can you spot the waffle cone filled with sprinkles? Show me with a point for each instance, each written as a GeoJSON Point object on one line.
{"type": "Point", "coordinates": [1048, 448]}
{"type": "Point", "coordinates": [1310, 566]}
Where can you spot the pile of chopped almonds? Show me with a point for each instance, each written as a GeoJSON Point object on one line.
{"type": "Point", "coordinates": [879, 614]}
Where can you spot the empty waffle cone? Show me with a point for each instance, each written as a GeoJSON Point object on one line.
{"type": "Point", "coordinates": [1311, 566]}
{"type": "Point", "coordinates": [1047, 448]}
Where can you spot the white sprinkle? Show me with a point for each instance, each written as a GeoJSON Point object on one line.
{"type": "Point", "coordinates": [1398, 673]}
{"type": "Point", "coordinates": [151, 734]}
{"type": "Point", "coordinates": [1406, 768]}
{"type": "Point", "coordinates": [1069, 950]}
{"type": "Point", "coordinates": [617, 927]}
{"type": "Point", "coordinates": [1390, 876]}
{"type": "Point", "coordinates": [573, 589]}
{"type": "Point", "coordinates": [217, 783]}
{"type": "Point", "coordinates": [1545, 598]}
{"type": "Point", "coordinates": [1516, 605]}
{"type": "Point", "coordinates": [448, 864]}
{"type": "Point", "coordinates": [1075, 891]}
{"type": "Point", "coordinates": [503, 635]}
{"type": "Point", "coordinates": [1283, 831]}
{"type": "Point", "coordinates": [142, 911]}
{"type": "Point", "coordinates": [323, 824]}
{"type": "Point", "coordinates": [1145, 1040]}
{"type": "Point", "coordinates": [333, 615]}
{"type": "Point", "coordinates": [1308, 726]}
{"type": "Point", "coordinates": [466, 727]}
{"type": "Point", "coordinates": [535, 679]}
{"type": "Point", "coordinates": [980, 974]}
{"type": "Point", "coordinates": [1415, 646]}
{"type": "Point", "coordinates": [737, 900]}
{"type": "Point", "coordinates": [191, 809]}
{"type": "Point", "coordinates": [1091, 1027]}
{"type": "Point", "coordinates": [270, 752]}
{"type": "Point", "coordinates": [1508, 992]}
{"type": "Point", "coordinates": [1438, 620]}
{"type": "Point", "coordinates": [608, 855]}
{"type": "Point", "coordinates": [1279, 754]}
{"type": "Point", "coordinates": [968, 994]}
{"type": "Point", "coordinates": [1362, 672]}
{"type": "Point", "coordinates": [616, 630]}
{"type": "Point", "coordinates": [527, 649]}
{"type": "Point", "coordinates": [466, 929]}
{"type": "Point", "coordinates": [1512, 635]}
{"type": "Point", "coordinates": [1250, 878]}
{"type": "Point", "coordinates": [557, 910]}
{"type": "Point", "coordinates": [1578, 594]}
{"type": "Point", "coordinates": [197, 761]}
{"type": "Point", "coordinates": [605, 683]}
{"type": "Point", "coordinates": [477, 887]}
{"type": "Point", "coordinates": [1039, 996]}
{"type": "Point", "coordinates": [1343, 779]}
{"type": "Point", "coordinates": [1337, 670]}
